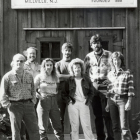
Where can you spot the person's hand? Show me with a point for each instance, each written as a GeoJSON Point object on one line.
{"type": "Point", "coordinates": [39, 97]}
{"type": "Point", "coordinates": [8, 105]}
{"type": "Point", "coordinates": [106, 82]}
{"type": "Point", "coordinates": [95, 85]}
{"type": "Point", "coordinates": [87, 103]}
{"type": "Point", "coordinates": [107, 108]}
{"type": "Point", "coordinates": [128, 106]}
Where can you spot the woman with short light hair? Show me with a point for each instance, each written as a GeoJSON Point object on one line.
{"type": "Point", "coordinates": [78, 96]}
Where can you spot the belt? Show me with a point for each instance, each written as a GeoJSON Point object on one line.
{"type": "Point", "coordinates": [50, 95]}
{"type": "Point", "coordinates": [22, 101]}
{"type": "Point", "coordinates": [116, 96]}
{"type": "Point", "coordinates": [47, 94]}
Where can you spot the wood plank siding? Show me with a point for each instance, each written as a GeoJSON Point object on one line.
{"type": "Point", "coordinates": [13, 39]}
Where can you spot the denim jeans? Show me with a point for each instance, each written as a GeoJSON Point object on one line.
{"type": "Point", "coordinates": [99, 103]}
{"type": "Point", "coordinates": [120, 119]}
{"type": "Point", "coordinates": [48, 108]}
{"type": "Point", "coordinates": [25, 111]}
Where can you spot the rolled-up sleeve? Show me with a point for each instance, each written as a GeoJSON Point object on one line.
{"type": "Point", "coordinates": [4, 99]}
{"type": "Point", "coordinates": [130, 85]}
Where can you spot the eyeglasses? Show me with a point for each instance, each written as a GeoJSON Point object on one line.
{"type": "Point", "coordinates": [21, 61]}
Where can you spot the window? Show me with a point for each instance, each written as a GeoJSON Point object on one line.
{"type": "Point", "coordinates": [49, 48]}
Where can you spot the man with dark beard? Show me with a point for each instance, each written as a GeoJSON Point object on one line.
{"type": "Point", "coordinates": [31, 65]}
{"type": "Point", "coordinates": [97, 66]}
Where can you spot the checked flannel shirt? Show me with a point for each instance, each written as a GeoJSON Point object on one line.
{"type": "Point", "coordinates": [12, 89]}
{"type": "Point", "coordinates": [98, 69]}
{"type": "Point", "coordinates": [121, 82]}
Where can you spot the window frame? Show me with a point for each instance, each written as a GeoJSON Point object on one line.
{"type": "Point", "coordinates": [48, 39]}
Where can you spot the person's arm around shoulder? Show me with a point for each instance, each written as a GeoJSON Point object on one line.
{"type": "Point", "coordinates": [4, 100]}
{"type": "Point", "coordinates": [37, 83]}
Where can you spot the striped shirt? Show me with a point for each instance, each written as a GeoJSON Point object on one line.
{"type": "Point", "coordinates": [121, 82]}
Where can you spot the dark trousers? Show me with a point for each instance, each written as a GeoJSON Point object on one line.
{"type": "Point", "coordinates": [99, 103]}
{"type": "Point", "coordinates": [61, 103]}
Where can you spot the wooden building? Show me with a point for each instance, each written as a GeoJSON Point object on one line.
{"type": "Point", "coordinates": [48, 29]}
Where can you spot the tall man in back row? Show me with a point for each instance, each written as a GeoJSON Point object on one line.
{"type": "Point", "coordinates": [97, 65]}
{"type": "Point", "coordinates": [63, 74]}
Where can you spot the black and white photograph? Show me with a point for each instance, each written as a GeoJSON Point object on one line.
{"type": "Point", "coordinates": [69, 70]}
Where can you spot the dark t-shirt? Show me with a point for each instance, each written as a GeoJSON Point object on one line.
{"type": "Point", "coordinates": [62, 67]}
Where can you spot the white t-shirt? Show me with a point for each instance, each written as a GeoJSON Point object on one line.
{"type": "Point", "coordinates": [79, 91]}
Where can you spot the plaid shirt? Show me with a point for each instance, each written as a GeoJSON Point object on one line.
{"type": "Point", "coordinates": [121, 83]}
{"type": "Point", "coordinates": [98, 69]}
{"type": "Point", "coordinates": [12, 89]}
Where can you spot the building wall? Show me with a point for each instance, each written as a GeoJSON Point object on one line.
{"type": "Point", "coordinates": [13, 39]}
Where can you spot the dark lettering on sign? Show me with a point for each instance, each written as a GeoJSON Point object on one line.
{"type": "Point", "coordinates": [100, 0]}
{"type": "Point", "coordinates": [53, 1]}
{"type": "Point", "coordinates": [118, 0]}
{"type": "Point", "coordinates": [40, 1]}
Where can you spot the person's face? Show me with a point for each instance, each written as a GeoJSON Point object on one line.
{"type": "Point", "coordinates": [96, 46]}
{"type": "Point", "coordinates": [18, 62]}
{"type": "Point", "coordinates": [67, 52]}
{"type": "Point", "coordinates": [49, 67]}
{"type": "Point", "coordinates": [117, 62]}
{"type": "Point", "coordinates": [77, 69]}
{"type": "Point", "coordinates": [31, 55]}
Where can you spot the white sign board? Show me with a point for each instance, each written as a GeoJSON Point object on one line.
{"type": "Point", "coordinates": [38, 4]}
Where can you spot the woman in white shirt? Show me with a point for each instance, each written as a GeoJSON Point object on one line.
{"type": "Point", "coordinates": [78, 96]}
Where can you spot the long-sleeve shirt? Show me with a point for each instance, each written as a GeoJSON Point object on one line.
{"type": "Point", "coordinates": [121, 83]}
{"type": "Point", "coordinates": [12, 89]}
{"type": "Point", "coordinates": [95, 68]}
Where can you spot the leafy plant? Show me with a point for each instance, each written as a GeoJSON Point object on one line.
{"type": "Point", "coordinates": [137, 117]}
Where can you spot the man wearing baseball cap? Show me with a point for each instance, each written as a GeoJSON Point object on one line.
{"type": "Point", "coordinates": [97, 66]}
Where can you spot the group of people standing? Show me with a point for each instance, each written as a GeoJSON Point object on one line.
{"type": "Point", "coordinates": [101, 81]}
